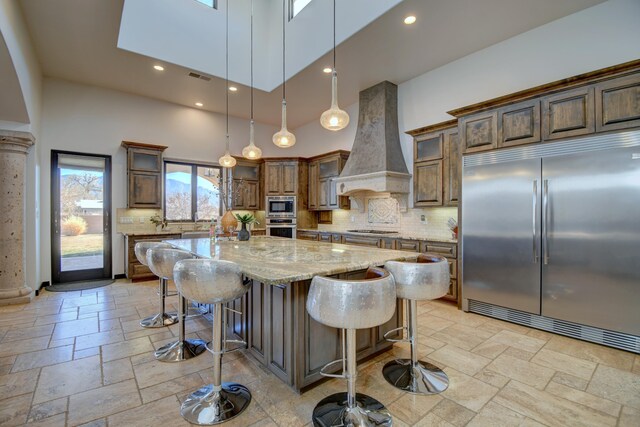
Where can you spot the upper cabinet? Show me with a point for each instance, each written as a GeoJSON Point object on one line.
{"type": "Point", "coordinates": [281, 178]}
{"type": "Point", "coordinates": [599, 101]}
{"type": "Point", "coordinates": [246, 185]}
{"type": "Point", "coordinates": [436, 166]}
{"type": "Point", "coordinates": [323, 192]}
{"type": "Point", "coordinates": [144, 175]}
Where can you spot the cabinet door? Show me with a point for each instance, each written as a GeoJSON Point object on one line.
{"type": "Point", "coordinates": [408, 245]}
{"type": "Point", "coordinates": [428, 147]}
{"type": "Point", "coordinates": [329, 167]}
{"type": "Point", "coordinates": [145, 190]}
{"type": "Point", "coordinates": [239, 196]}
{"type": "Point", "coordinates": [279, 352]}
{"type": "Point", "coordinates": [144, 160]}
{"type": "Point", "coordinates": [361, 241]}
{"type": "Point", "coordinates": [427, 184]}
{"type": "Point", "coordinates": [479, 132]}
{"type": "Point", "coordinates": [273, 179]}
{"type": "Point", "coordinates": [618, 103]}
{"type": "Point", "coordinates": [519, 124]}
{"type": "Point", "coordinates": [313, 186]}
{"type": "Point", "coordinates": [289, 179]}
{"type": "Point", "coordinates": [307, 235]}
{"type": "Point", "coordinates": [333, 199]}
{"type": "Point", "coordinates": [452, 169]}
{"type": "Point", "coordinates": [569, 113]}
{"type": "Point", "coordinates": [252, 195]}
{"type": "Point", "coordinates": [323, 194]}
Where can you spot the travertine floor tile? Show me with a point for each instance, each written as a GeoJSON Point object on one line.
{"type": "Point", "coordinates": [629, 417]}
{"type": "Point", "coordinates": [549, 409]}
{"type": "Point", "coordinates": [55, 318]}
{"type": "Point", "coordinates": [568, 364]}
{"type": "Point", "coordinates": [117, 371]}
{"type": "Point", "coordinates": [412, 408]}
{"type": "Point", "coordinates": [586, 399]}
{"type": "Point", "coordinates": [53, 421]}
{"type": "Point", "coordinates": [467, 391]}
{"type": "Point", "coordinates": [103, 401]}
{"type": "Point", "coordinates": [48, 409]}
{"type": "Point", "coordinates": [38, 359]}
{"type": "Point", "coordinates": [98, 338]}
{"type": "Point", "coordinates": [523, 371]}
{"type": "Point", "coordinates": [453, 413]}
{"type": "Point", "coordinates": [161, 412]}
{"type": "Point", "coordinates": [14, 411]}
{"type": "Point", "coordinates": [520, 341]}
{"type": "Point", "coordinates": [187, 383]}
{"type": "Point", "coordinates": [592, 352]}
{"type": "Point", "coordinates": [570, 381]}
{"type": "Point", "coordinates": [613, 384]}
{"type": "Point", "coordinates": [126, 349]}
{"type": "Point", "coordinates": [74, 328]}
{"type": "Point", "coordinates": [18, 383]}
{"type": "Point", "coordinates": [68, 378]}
{"type": "Point", "coordinates": [462, 336]}
{"type": "Point", "coordinates": [494, 414]}
{"type": "Point", "coordinates": [432, 420]}
{"type": "Point", "coordinates": [156, 372]}
{"type": "Point", "coordinates": [26, 334]}
{"type": "Point", "coordinates": [460, 359]}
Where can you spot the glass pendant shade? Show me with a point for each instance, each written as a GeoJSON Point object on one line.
{"type": "Point", "coordinates": [227, 161]}
{"type": "Point", "coordinates": [334, 118]}
{"type": "Point", "coordinates": [251, 151]}
{"type": "Point", "coordinates": [283, 138]}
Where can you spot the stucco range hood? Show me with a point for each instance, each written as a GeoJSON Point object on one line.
{"type": "Point", "coordinates": [376, 164]}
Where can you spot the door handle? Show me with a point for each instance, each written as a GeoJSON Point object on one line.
{"type": "Point", "coordinates": [534, 215]}
{"type": "Point", "coordinates": [545, 222]}
{"type": "Point", "coordinates": [56, 227]}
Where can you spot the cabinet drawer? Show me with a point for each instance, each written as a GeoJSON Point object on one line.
{"type": "Point", "coordinates": [618, 103]}
{"type": "Point", "coordinates": [452, 295]}
{"type": "Point", "coordinates": [445, 249]}
{"type": "Point", "coordinates": [140, 270]}
{"type": "Point", "coordinates": [453, 268]}
{"type": "Point", "coordinates": [336, 238]}
{"type": "Point", "coordinates": [307, 235]}
{"type": "Point", "coordinates": [324, 237]}
{"type": "Point", "coordinates": [408, 245]}
{"type": "Point", "coordinates": [361, 241]}
{"type": "Point", "coordinates": [569, 113]}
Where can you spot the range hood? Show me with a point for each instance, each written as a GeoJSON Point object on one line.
{"type": "Point", "coordinates": [376, 164]}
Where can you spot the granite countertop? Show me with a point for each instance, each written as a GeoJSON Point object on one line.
{"type": "Point", "coordinates": [398, 235]}
{"type": "Point", "coordinates": [166, 232]}
{"type": "Point", "coordinates": [274, 260]}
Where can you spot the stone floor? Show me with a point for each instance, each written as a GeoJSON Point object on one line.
{"type": "Point", "coordinates": [82, 359]}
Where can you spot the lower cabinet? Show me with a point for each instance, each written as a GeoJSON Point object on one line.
{"type": "Point", "coordinates": [136, 271]}
{"type": "Point", "coordinates": [306, 235]}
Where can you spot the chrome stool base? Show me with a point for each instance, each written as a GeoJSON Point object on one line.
{"type": "Point", "coordinates": [159, 320]}
{"type": "Point", "coordinates": [423, 378]}
{"type": "Point", "coordinates": [178, 351]}
{"type": "Point", "coordinates": [333, 411]}
{"type": "Point", "coordinates": [207, 407]}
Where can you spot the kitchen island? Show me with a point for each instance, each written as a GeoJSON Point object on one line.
{"type": "Point", "coordinates": [275, 323]}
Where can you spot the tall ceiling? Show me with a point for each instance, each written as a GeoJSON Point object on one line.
{"type": "Point", "coordinates": [76, 40]}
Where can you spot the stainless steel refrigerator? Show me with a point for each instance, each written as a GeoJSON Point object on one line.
{"type": "Point", "coordinates": [551, 237]}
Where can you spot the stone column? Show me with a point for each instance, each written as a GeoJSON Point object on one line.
{"type": "Point", "coordinates": [14, 147]}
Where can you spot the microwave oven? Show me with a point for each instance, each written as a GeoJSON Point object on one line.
{"type": "Point", "coordinates": [281, 207]}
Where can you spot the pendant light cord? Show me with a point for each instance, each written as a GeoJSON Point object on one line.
{"type": "Point", "coordinates": [227, 72]}
{"type": "Point", "coordinates": [334, 35]}
{"type": "Point", "coordinates": [251, 60]}
{"type": "Point", "coordinates": [284, 84]}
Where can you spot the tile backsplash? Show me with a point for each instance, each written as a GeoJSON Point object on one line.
{"type": "Point", "coordinates": [383, 214]}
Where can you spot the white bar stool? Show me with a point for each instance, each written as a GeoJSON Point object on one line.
{"type": "Point", "coordinates": [425, 279]}
{"type": "Point", "coordinates": [161, 319]}
{"type": "Point", "coordinates": [161, 262]}
{"type": "Point", "coordinates": [213, 282]}
{"type": "Point", "coordinates": [351, 305]}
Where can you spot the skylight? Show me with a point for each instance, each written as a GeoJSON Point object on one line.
{"type": "Point", "coordinates": [210, 3]}
{"type": "Point", "coordinates": [297, 6]}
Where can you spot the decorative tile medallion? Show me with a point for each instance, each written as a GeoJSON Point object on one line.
{"type": "Point", "coordinates": [383, 211]}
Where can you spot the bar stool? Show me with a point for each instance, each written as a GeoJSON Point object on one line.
{"type": "Point", "coordinates": [426, 279]}
{"type": "Point", "coordinates": [161, 262]}
{"type": "Point", "coordinates": [351, 305]}
{"type": "Point", "coordinates": [161, 319]}
{"type": "Point", "coordinates": [214, 282]}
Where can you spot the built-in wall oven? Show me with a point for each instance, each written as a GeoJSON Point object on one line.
{"type": "Point", "coordinates": [281, 207]}
{"type": "Point", "coordinates": [281, 227]}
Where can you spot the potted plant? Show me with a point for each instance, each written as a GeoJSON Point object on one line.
{"type": "Point", "coordinates": [159, 222]}
{"type": "Point", "coordinates": [246, 219]}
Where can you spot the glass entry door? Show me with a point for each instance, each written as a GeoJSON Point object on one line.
{"type": "Point", "coordinates": [80, 217]}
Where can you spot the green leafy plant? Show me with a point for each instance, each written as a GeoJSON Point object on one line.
{"type": "Point", "coordinates": [246, 219]}
{"type": "Point", "coordinates": [158, 221]}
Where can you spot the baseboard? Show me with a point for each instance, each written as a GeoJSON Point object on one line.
{"type": "Point", "coordinates": [42, 285]}
{"type": "Point", "coordinates": [120, 276]}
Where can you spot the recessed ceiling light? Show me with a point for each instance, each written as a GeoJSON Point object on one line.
{"type": "Point", "coordinates": [327, 70]}
{"type": "Point", "coordinates": [199, 104]}
{"type": "Point", "coordinates": [409, 19]}
{"type": "Point", "coordinates": [233, 88]}
{"type": "Point", "coordinates": [158, 67]}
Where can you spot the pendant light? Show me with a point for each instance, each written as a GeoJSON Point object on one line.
{"type": "Point", "coordinates": [283, 138]}
{"type": "Point", "coordinates": [334, 118]}
{"type": "Point", "coordinates": [227, 161]}
{"type": "Point", "coordinates": [251, 151]}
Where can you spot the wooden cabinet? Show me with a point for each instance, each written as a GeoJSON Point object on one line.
{"type": "Point", "coordinates": [618, 103]}
{"type": "Point", "coordinates": [247, 174]}
{"type": "Point", "coordinates": [134, 270]}
{"type": "Point", "coordinates": [449, 251]}
{"type": "Point", "coordinates": [452, 173]}
{"type": "Point", "coordinates": [408, 245]}
{"type": "Point", "coordinates": [429, 146]}
{"type": "Point", "coordinates": [144, 175]}
{"type": "Point", "coordinates": [361, 240]}
{"type": "Point", "coordinates": [306, 235]}
{"type": "Point", "coordinates": [519, 124]}
{"type": "Point", "coordinates": [569, 113]}
{"type": "Point", "coordinates": [281, 178]}
{"type": "Point", "coordinates": [427, 184]}
{"type": "Point", "coordinates": [323, 192]}
{"type": "Point", "coordinates": [479, 132]}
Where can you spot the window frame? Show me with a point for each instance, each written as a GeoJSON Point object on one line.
{"type": "Point", "coordinates": [194, 188]}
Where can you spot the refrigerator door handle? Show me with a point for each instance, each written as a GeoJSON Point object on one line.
{"type": "Point", "coordinates": [545, 222]}
{"type": "Point", "coordinates": [535, 210]}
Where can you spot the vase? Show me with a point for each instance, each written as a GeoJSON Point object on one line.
{"type": "Point", "coordinates": [228, 221]}
{"type": "Point", "coordinates": [243, 234]}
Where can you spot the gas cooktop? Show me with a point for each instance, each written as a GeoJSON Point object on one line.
{"type": "Point", "coordinates": [373, 231]}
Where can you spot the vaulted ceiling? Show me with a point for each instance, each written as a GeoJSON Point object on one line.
{"type": "Point", "coordinates": [76, 40]}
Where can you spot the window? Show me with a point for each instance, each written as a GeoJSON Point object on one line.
{"type": "Point", "coordinates": [296, 6]}
{"type": "Point", "coordinates": [191, 192]}
{"type": "Point", "coordinates": [210, 3]}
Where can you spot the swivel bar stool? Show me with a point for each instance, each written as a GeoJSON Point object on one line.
{"type": "Point", "coordinates": [161, 262]}
{"type": "Point", "coordinates": [161, 319]}
{"type": "Point", "coordinates": [426, 279]}
{"type": "Point", "coordinates": [351, 305]}
{"type": "Point", "coordinates": [214, 282]}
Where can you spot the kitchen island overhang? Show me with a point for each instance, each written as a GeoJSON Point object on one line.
{"type": "Point", "coordinates": [275, 324]}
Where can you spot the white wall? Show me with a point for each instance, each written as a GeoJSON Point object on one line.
{"type": "Point", "coordinates": [603, 35]}
{"type": "Point", "coordinates": [94, 120]}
